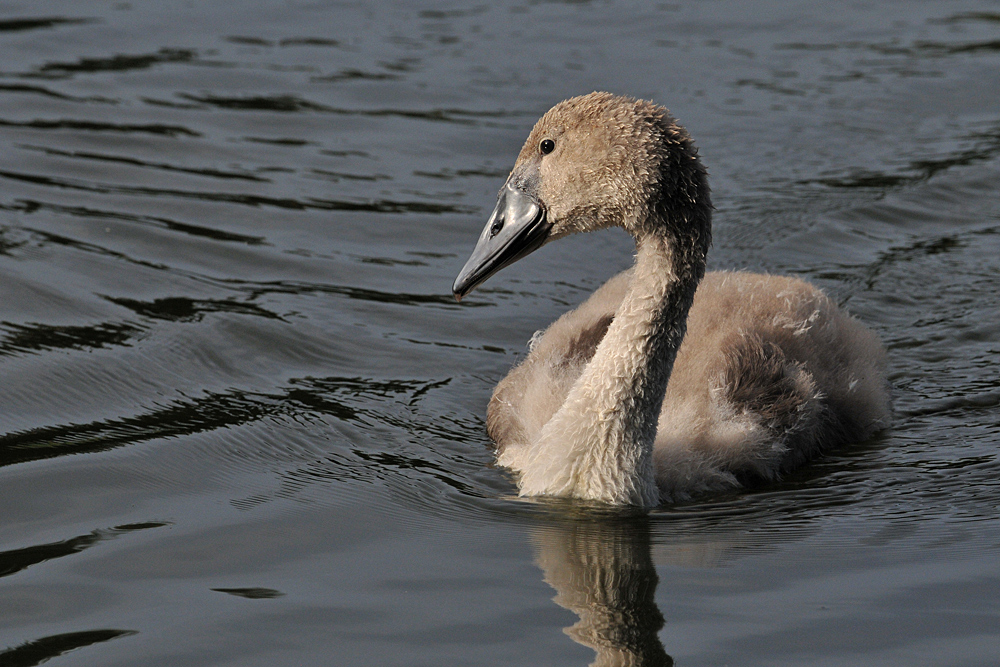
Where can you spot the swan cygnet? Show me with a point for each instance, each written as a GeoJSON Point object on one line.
{"type": "Point", "coordinates": [666, 382]}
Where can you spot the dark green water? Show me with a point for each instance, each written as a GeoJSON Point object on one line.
{"type": "Point", "coordinates": [242, 419]}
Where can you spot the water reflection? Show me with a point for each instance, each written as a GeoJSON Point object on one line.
{"type": "Point", "coordinates": [602, 570]}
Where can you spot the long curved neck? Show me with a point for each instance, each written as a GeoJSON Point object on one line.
{"type": "Point", "coordinates": [641, 344]}
{"type": "Point", "coordinates": [599, 444]}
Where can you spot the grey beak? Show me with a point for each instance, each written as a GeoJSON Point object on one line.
{"type": "Point", "coordinates": [516, 228]}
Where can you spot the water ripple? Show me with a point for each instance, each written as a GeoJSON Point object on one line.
{"type": "Point", "coordinates": [293, 103]}
{"type": "Point", "coordinates": [18, 25]}
{"type": "Point", "coordinates": [282, 103]}
{"type": "Point", "coordinates": [308, 41]}
{"type": "Point", "coordinates": [256, 593]}
{"type": "Point", "coordinates": [38, 338]}
{"type": "Point", "coordinates": [119, 63]}
{"type": "Point", "coordinates": [986, 147]}
{"type": "Point", "coordinates": [16, 560]}
{"type": "Point", "coordinates": [30, 206]}
{"type": "Point", "coordinates": [120, 159]}
{"type": "Point", "coordinates": [343, 398]}
{"type": "Point", "coordinates": [258, 289]}
{"type": "Point", "coordinates": [183, 309]}
{"type": "Point", "coordinates": [45, 92]}
{"type": "Point", "coordinates": [95, 126]}
{"type": "Point", "coordinates": [44, 649]}
{"type": "Point", "coordinates": [244, 199]}
{"type": "Point", "coordinates": [355, 75]}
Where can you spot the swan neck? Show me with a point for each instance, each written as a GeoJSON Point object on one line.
{"type": "Point", "coordinates": [648, 328]}
{"type": "Point", "coordinates": [599, 445]}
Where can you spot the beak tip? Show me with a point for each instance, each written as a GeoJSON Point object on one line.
{"type": "Point", "coordinates": [524, 229]}
{"type": "Point", "coordinates": [458, 290]}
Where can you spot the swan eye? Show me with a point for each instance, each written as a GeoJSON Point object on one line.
{"type": "Point", "coordinates": [547, 146]}
{"type": "Point", "coordinates": [495, 228]}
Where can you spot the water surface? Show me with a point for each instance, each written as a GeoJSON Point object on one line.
{"type": "Point", "coordinates": [242, 419]}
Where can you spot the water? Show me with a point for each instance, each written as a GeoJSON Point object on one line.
{"type": "Point", "coordinates": [242, 418]}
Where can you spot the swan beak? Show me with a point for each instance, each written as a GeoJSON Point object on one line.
{"type": "Point", "coordinates": [516, 228]}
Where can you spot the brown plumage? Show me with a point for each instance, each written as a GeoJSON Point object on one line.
{"type": "Point", "coordinates": [662, 385]}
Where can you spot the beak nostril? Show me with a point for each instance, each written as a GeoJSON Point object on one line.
{"type": "Point", "coordinates": [516, 227]}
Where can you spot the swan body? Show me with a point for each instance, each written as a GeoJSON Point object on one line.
{"type": "Point", "coordinates": [666, 382]}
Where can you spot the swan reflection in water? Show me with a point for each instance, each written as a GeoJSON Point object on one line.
{"type": "Point", "coordinates": [602, 570]}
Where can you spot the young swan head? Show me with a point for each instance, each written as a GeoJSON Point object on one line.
{"type": "Point", "coordinates": [593, 162]}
